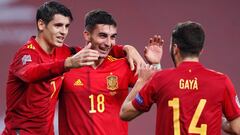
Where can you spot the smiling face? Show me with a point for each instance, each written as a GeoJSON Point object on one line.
{"type": "Point", "coordinates": [103, 37]}
{"type": "Point", "coordinates": [55, 32]}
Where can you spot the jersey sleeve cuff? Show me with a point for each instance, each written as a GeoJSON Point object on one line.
{"type": "Point", "coordinates": [139, 107]}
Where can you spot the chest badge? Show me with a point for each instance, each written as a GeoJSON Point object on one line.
{"type": "Point", "coordinates": [112, 82]}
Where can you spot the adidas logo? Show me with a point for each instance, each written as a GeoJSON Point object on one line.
{"type": "Point", "coordinates": [78, 82]}
{"type": "Point", "coordinates": [30, 46]}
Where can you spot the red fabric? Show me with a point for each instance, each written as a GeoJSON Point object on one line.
{"type": "Point", "coordinates": [33, 85]}
{"type": "Point", "coordinates": [212, 86]}
{"type": "Point", "coordinates": [117, 51]}
{"type": "Point", "coordinates": [85, 85]}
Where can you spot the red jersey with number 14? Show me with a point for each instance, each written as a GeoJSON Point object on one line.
{"type": "Point", "coordinates": [190, 100]}
{"type": "Point", "coordinates": [90, 99]}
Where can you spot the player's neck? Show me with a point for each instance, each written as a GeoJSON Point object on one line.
{"type": "Point", "coordinates": [191, 59]}
{"type": "Point", "coordinates": [98, 63]}
{"type": "Point", "coordinates": [42, 43]}
{"type": "Point", "coordinates": [188, 59]}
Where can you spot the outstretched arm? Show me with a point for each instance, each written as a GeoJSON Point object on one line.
{"type": "Point", "coordinates": [231, 127]}
{"type": "Point", "coordinates": [85, 57]}
{"type": "Point", "coordinates": [128, 111]}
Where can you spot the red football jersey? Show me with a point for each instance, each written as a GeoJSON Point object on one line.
{"type": "Point", "coordinates": [32, 89]}
{"type": "Point", "coordinates": [34, 80]}
{"type": "Point", "coordinates": [190, 100]}
{"type": "Point", "coordinates": [90, 99]}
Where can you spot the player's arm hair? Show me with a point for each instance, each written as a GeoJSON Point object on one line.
{"type": "Point", "coordinates": [128, 111]}
{"type": "Point", "coordinates": [235, 125]}
{"type": "Point", "coordinates": [231, 127]}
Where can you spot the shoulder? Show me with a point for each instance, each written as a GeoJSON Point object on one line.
{"type": "Point", "coordinates": [31, 44]}
{"type": "Point", "coordinates": [215, 73]}
{"type": "Point", "coordinates": [120, 64]}
{"type": "Point", "coordinates": [164, 76]}
{"type": "Point", "coordinates": [29, 47]}
{"type": "Point", "coordinates": [165, 72]}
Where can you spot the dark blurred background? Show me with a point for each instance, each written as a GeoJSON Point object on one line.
{"type": "Point", "coordinates": [137, 21]}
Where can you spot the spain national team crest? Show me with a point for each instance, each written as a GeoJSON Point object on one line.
{"type": "Point", "coordinates": [112, 82]}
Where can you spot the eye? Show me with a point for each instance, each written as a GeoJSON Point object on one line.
{"type": "Point", "coordinates": [68, 25]}
{"type": "Point", "coordinates": [58, 24]}
{"type": "Point", "coordinates": [102, 35]}
{"type": "Point", "coordinates": [114, 36]}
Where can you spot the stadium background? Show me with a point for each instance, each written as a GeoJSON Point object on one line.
{"type": "Point", "coordinates": [137, 21]}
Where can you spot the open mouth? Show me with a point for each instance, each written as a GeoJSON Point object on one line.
{"type": "Point", "coordinates": [103, 50]}
{"type": "Point", "coordinates": [60, 39]}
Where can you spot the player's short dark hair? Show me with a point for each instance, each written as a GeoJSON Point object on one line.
{"type": "Point", "coordinates": [46, 11]}
{"type": "Point", "coordinates": [98, 16]}
{"type": "Point", "coordinates": [189, 37]}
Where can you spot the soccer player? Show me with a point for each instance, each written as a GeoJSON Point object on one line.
{"type": "Point", "coordinates": [35, 74]}
{"type": "Point", "coordinates": [190, 98]}
{"type": "Point", "coordinates": [91, 96]}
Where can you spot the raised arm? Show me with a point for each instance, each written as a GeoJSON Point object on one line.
{"type": "Point", "coordinates": [152, 52]}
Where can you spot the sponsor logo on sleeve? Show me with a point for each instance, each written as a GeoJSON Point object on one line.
{"type": "Point", "coordinates": [237, 101]}
{"type": "Point", "coordinates": [26, 58]}
{"type": "Point", "coordinates": [139, 99]}
{"type": "Point", "coordinates": [31, 46]}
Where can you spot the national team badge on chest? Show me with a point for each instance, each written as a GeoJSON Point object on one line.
{"type": "Point", "coordinates": [112, 82]}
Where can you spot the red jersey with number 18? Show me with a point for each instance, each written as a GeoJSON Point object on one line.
{"type": "Point", "coordinates": [90, 99]}
{"type": "Point", "coordinates": [190, 100]}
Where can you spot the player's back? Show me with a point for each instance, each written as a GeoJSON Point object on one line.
{"type": "Point", "coordinates": [190, 100]}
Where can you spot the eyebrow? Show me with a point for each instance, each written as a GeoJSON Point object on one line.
{"type": "Point", "coordinates": [102, 33]}
{"type": "Point", "coordinates": [114, 34]}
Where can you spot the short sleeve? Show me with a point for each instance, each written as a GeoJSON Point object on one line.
{"type": "Point", "coordinates": [145, 98]}
{"type": "Point", "coordinates": [231, 105]}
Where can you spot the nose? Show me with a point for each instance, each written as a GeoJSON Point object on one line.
{"type": "Point", "coordinates": [64, 30]}
{"type": "Point", "coordinates": [109, 42]}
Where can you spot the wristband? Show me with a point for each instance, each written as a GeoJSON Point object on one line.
{"type": "Point", "coordinates": [158, 66]}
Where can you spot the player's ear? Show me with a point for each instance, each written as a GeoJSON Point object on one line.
{"type": "Point", "coordinates": [40, 25]}
{"type": "Point", "coordinates": [86, 35]}
{"type": "Point", "coordinates": [175, 49]}
{"type": "Point", "coordinates": [201, 51]}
